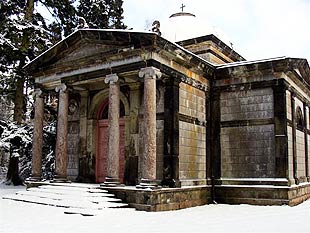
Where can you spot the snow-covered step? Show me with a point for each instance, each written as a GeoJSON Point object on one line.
{"type": "Point", "coordinates": [78, 189]}
{"type": "Point", "coordinates": [66, 203]}
{"type": "Point", "coordinates": [77, 199]}
{"type": "Point", "coordinates": [68, 191]}
{"type": "Point", "coordinates": [76, 185]}
{"type": "Point", "coordinates": [81, 212]}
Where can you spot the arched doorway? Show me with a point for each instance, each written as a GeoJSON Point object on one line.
{"type": "Point", "coordinates": [102, 141]}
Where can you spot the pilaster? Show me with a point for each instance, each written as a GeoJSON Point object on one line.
{"type": "Point", "coordinates": [280, 130]}
{"type": "Point", "coordinates": [171, 134]}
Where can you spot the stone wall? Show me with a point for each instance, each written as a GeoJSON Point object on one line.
{"type": "Point", "coordinates": [246, 105]}
{"type": "Point", "coordinates": [159, 148]}
{"type": "Point", "coordinates": [73, 140]}
{"type": "Point", "coordinates": [300, 153]}
{"type": "Point", "coordinates": [160, 96]}
{"type": "Point", "coordinates": [248, 152]}
{"type": "Point", "coordinates": [73, 150]}
{"type": "Point", "coordinates": [290, 153]}
{"type": "Point", "coordinates": [297, 146]}
{"type": "Point", "coordinates": [192, 136]}
{"type": "Point", "coordinates": [163, 199]}
{"type": "Point", "coordinates": [192, 102]}
{"type": "Point", "coordinates": [288, 105]}
{"type": "Point", "coordinates": [247, 142]}
{"type": "Point", "coordinates": [192, 164]}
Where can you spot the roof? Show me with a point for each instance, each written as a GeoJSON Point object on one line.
{"type": "Point", "coordinates": [137, 38]}
{"type": "Point", "coordinates": [282, 64]}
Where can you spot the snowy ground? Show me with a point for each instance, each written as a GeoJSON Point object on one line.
{"type": "Point", "coordinates": [19, 217]}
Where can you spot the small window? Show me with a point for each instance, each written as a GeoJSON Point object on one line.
{"type": "Point", "coordinates": [299, 119]}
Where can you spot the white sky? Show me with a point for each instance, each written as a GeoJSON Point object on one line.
{"type": "Point", "coordinates": [257, 28]}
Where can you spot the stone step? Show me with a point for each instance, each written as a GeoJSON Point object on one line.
{"type": "Point", "coordinates": [82, 199]}
{"type": "Point", "coordinates": [82, 212]}
{"type": "Point", "coordinates": [78, 189]}
{"type": "Point", "coordinates": [68, 196]}
{"type": "Point", "coordinates": [63, 191]}
{"type": "Point", "coordinates": [69, 192]}
{"type": "Point", "coordinates": [65, 203]}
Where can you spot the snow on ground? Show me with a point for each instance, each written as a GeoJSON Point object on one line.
{"type": "Point", "coordinates": [20, 217]}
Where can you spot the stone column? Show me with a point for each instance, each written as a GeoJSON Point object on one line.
{"type": "Point", "coordinates": [148, 160]}
{"type": "Point", "coordinates": [62, 131]}
{"type": "Point", "coordinates": [37, 142]}
{"type": "Point", "coordinates": [112, 177]}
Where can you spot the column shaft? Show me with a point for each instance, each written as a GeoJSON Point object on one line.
{"type": "Point", "coordinates": [62, 131]}
{"type": "Point", "coordinates": [149, 156]}
{"type": "Point", "coordinates": [113, 136]}
{"type": "Point", "coordinates": [36, 169]}
{"type": "Point", "coordinates": [148, 160]}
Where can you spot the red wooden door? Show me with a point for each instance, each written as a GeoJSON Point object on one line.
{"type": "Point", "coordinates": [102, 146]}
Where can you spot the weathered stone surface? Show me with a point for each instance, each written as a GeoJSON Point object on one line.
{"type": "Point", "coordinates": [248, 151]}
{"type": "Point", "coordinates": [36, 171]}
{"type": "Point", "coordinates": [164, 199]}
{"type": "Point", "coordinates": [62, 131]}
{"type": "Point", "coordinates": [113, 136]}
{"type": "Point", "coordinates": [148, 165]}
{"type": "Point", "coordinates": [235, 123]}
{"type": "Point", "coordinates": [244, 105]}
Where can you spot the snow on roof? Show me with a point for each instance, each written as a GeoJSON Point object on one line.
{"type": "Point", "coordinates": [239, 63]}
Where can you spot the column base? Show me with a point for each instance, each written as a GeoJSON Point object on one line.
{"type": "Point", "coordinates": [171, 183]}
{"type": "Point", "coordinates": [60, 179]}
{"type": "Point", "coordinates": [34, 179]}
{"type": "Point", "coordinates": [297, 181]}
{"type": "Point", "coordinates": [148, 184]}
{"type": "Point", "coordinates": [110, 182]}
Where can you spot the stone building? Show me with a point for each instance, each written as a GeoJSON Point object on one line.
{"type": "Point", "coordinates": [172, 125]}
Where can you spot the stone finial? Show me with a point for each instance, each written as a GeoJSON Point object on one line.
{"type": "Point", "coordinates": [156, 27]}
{"type": "Point", "coordinates": [150, 72]}
{"type": "Point", "coordinates": [62, 87]}
{"type": "Point", "coordinates": [111, 78]}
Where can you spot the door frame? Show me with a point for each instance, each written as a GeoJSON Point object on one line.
{"type": "Point", "coordinates": [104, 122]}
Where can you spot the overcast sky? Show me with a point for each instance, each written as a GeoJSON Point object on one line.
{"type": "Point", "coordinates": [258, 29]}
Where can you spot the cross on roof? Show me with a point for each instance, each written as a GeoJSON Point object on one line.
{"type": "Point", "coordinates": [182, 7]}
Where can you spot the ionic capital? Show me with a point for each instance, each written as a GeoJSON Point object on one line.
{"type": "Point", "coordinates": [150, 73]}
{"type": "Point", "coordinates": [38, 93]}
{"type": "Point", "coordinates": [111, 78]}
{"type": "Point", "coordinates": [62, 87]}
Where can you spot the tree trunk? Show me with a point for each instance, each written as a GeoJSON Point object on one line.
{"type": "Point", "coordinates": [19, 92]}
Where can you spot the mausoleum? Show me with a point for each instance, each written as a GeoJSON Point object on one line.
{"type": "Point", "coordinates": [167, 125]}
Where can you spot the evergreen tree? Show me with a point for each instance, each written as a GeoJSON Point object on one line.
{"type": "Point", "coordinates": [23, 36]}
{"type": "Point", "coordinates": [64, 16]}
{"type": "Point", "coordinates": [102, 13]}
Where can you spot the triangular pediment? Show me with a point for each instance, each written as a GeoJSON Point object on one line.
{"type": "Point", "coordinates": [86, 51]}
{"type": "Point", "coordinates": [97, 47]}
